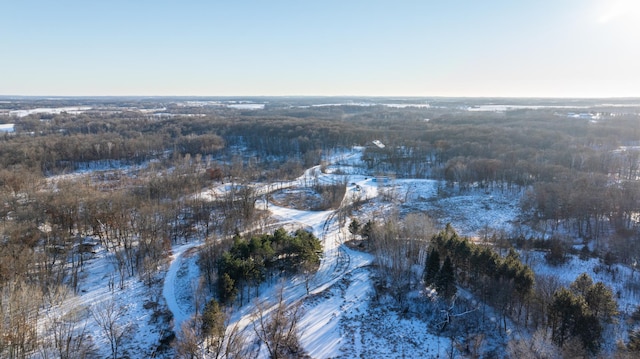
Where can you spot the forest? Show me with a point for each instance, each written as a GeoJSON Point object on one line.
{"type": "Point", "coordinates": [126, 178]}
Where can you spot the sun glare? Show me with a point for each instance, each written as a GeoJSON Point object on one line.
{"type": "Point", "coordinates": [623, 12]}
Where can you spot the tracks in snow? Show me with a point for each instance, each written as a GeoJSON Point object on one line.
{"type": "Point", "coordinates": [336, 262]}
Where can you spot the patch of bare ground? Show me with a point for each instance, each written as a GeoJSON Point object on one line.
{"type": "Point", "coordinates": [358, 245]}
{"type": "Point", "coordinates": [297, 198]}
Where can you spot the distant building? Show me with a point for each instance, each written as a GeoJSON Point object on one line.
{"type": "Point", "coordinates": [378, 143]}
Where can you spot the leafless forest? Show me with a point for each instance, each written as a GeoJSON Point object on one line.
{"type": "Point", "coordinates": [576, 164]}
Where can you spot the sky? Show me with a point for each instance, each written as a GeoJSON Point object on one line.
{"type": "Point", "coordinates": [501, 48]}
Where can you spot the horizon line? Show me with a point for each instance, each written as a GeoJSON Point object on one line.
{"type": "Point", "coordinates": [326, 96]}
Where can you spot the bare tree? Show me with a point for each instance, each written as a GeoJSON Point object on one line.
{"type": "Point", "coordinates": [546, 285]}
{"type": "Point", "coordinates": [277, 327]}
{"type": "Point", "coordinates": [309, 269]}
{"type": "Point", "coordinates": [539, 346]}
{"type": "Point", "coordinates": [394, 253]}
{"type": "Point", "coordinates": [19, 309]}
{"type": "Point", "coordinates": [108, 315]}
{"type": "Point", "coordinates": [188, 342]}
{"type": "Point", "coordinates": [70, 338]}
{"type": "Point", "coordinates": [235, 345]}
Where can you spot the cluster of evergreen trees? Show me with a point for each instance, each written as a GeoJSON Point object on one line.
{"type": "Point", "coordinates": [575, 314]}
{"type": "Point", "coordinates": [504, 282]}
{"type": "Point", "coordinates": [442, 278]}
{"type": "Point", "coordinates": [579, 312]}
{"type": "Point", "coordinates": [251, 261]}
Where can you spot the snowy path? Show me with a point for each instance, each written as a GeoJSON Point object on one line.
{"type": "Point", "coordinates": [169, 289]}
{"type": "Point", "coordinates": [337, 262]}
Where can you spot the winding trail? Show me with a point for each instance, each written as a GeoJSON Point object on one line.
{"type": "Point", "coordinates": [169, 288]}
{"type": "Point", "coordinates": [336, 262]}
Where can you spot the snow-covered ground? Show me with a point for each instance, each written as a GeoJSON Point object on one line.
{"type": "Point", "coordinates": [339, 318]}
{"type": "Point", "coordinates": [7, 127]}
{"type": "Point", "coordinates": [179, 284]}
{"type": "Point", "coordinates": [98, 289]}
{"type": "Point", "coordinates": [621, 279]}
{"type": "Point", "coordinates": [58, 110]}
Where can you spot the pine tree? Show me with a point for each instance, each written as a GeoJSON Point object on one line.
{"type": "Point", "coordinates": [557, 253]}
{"type": "Point", "coordinates": [212, 319]}
{"type": "Point", "coordinates": [445, 280]}
{"type": "Point", "coordinates": [600, 300]}
{"type": "Point", "coordinates": [582, 284]}
{"type": "Point", "coordinates": [563, 313]}
{"type": "Point", "coordinates": [432, 267]}
{"type": "Point", "coordinates": [367, 230]}
{"type": "Point", "coordinates": [227, 289]}
{"type": "Point", "coordinates": [354, 227]}
{"type": "Point", "coordinates": [598, 296]}
{"type": "Point", "coordinates": [589, 330]}
{"type": "Point", "coordinates": [570, 316]}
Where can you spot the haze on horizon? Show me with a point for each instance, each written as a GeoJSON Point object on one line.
{"type": "Point", "coordinates": [570, 48]}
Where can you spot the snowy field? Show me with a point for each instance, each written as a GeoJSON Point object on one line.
{"type": "Point", "coordinates": [58, 110]}
{"type": "Point", "coordinates": [7, 127]}
{"type": "Point", "coordinates": [339, 320]}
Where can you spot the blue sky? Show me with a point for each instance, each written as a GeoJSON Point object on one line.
{"type": "Point", "coordinates": [543, 48]}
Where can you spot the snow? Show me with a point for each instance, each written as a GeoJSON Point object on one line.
{"type": "Point", "coordinates": [378, 143]}
{"type": "Point", "coordinates": [247, 106]}
{"type": "Point", "coordinates": [7, 127]}
{"type": "Point", "coordinates": [340, 322]}
{"type": "Point", "coordinates": [341, 318]}
{"type": "Point", "coordinates": [361, 104]}
{"type": "Point", "coordinates": [98, 285]}
{"type": "Point", "coordinates": [503, 108]}
{"type": "Point", "coordinates": [619, 278]}
{"type": "Point", "coordinates": [56, 110]}
{"type": "Point", "coordinates": [406, 105]}
{"type": "Point", "coordinates": [470, 212]}
{"type": "Point", "coordinates": [176, 291]}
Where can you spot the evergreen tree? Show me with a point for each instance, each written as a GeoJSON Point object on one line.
{"type": "Point", "coordinates": [557, 252]}
{"type": "Point", "coordinates": [570, 316]}
{"type": "Point", "coordinates": [589, 330]}
{"type": "Point", "coordinates": [598, 296]}
{"type": "Point", "coordinates": [600, 300]}
{"type": "Point", "coordinates": [354, 227]}
{"type": "Point", "coordinates": [432, 267]}
{"type": "Point", "coordinates": [367, 230]}
{"type": "Point", "coordinates": [445, 280]}
{"type": "Point", "coordinates": [582, 284]}
{"type": "Point", "coordinates": [212, 319]}
{"type": "Point", "coordinates": [563, 315]}
{"type": "Point", "coordinates": [227, 290]}
{"type": "Point", "coordinates": [524, 282]}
